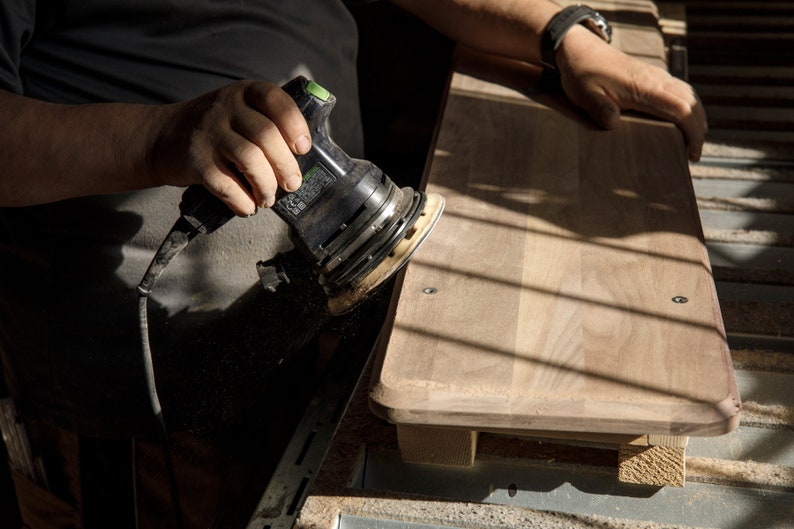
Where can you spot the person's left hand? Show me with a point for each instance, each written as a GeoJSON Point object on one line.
{"type": "Point", "coordinates": [603, 81]}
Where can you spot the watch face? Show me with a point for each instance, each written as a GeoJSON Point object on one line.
{"type": "Point", "coordinates": [600, 26]}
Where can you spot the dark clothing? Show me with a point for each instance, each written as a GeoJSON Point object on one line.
{"type": "Point", "coordinates": [69, 336]}
{"type": "Point", "coordinates": [68, 319]}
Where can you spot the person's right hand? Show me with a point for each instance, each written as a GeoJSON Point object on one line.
{"type": "Point", "coordinates": [247, 130]}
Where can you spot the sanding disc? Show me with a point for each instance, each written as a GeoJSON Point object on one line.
{"type": "Point", "coordinates": [399, 256]}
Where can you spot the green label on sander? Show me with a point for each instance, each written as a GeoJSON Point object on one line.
{"type": "Point", "coordinates": [315, 181]}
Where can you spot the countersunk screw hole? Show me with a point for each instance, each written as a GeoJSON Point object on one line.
{"type": "Point", "coordinates": [680, 299]}
{"type": "Point", "coordinates": [430, 290]}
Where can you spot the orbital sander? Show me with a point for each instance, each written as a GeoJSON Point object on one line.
{"type": "Point", "coordinates": [349, 220]}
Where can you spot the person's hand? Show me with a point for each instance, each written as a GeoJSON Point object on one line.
{"type": "Point", "coordinates": [238, 141]}
{"type": "Point", "coordinates": [603, 81]}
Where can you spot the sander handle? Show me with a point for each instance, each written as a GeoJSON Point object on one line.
{"type": "Point", "coordinates": [206, 212]}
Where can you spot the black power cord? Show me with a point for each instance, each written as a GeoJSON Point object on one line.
{"type": "Point", "coordinates": [178, 238]}
{"type": "Point", "coordinates": [201, 213]}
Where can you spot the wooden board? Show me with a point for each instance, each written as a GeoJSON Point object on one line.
{"type": "Point", "coordinates": [519, 481]}
{"type": "Point", "coordinates": [549, 297]}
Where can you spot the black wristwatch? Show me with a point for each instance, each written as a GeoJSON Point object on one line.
{"type": "Point", "coordinates": [563, 21]}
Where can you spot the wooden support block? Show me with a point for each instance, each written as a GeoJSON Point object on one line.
{"type": "Point", "coordinates": [661, 466]}
{"type": "Point", "coordinates": [673, 441]}
{"type": "Point", "coordinates": [439, 446]}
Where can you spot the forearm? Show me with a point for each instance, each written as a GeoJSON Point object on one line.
{"type": "Point", "coordinates": [594, 75]}
{"type": "Point", "coordinates": [51, 152]}
{"type": "Point", "coordinates": [239, 141]}
{"type": "Point", "coordinates": [511, 28]}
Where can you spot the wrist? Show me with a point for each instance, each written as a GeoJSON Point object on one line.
{"type": "Point", "coordinates": [571, 18]}
{"type": "Point", "coordinates": [159, 165]}
{"type": "Point", "coordinates": [579, 48]}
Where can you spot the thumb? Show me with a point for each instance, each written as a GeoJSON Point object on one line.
{"type": "Point", "coordinates": [602, 109]}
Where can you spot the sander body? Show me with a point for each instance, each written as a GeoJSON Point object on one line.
{"type": "Point", "coordinates": [348, 219]}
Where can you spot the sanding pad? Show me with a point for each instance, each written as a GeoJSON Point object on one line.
{"type": "Point", "coordinates": [399, 256]}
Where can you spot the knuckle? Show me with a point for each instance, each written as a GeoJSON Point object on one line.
{"type": "Point", "coordinates": [262, 94]}
{"type": "Point", "coordinates": [284, 165]}
{"type": "Point", "coordinates": [275, 96]}
{"type": "Point", "coordinates": [225, 189]}
{"type": "Point", "coordinates": [265, 131]}
{"type": "Point", "coordinates": [248, 156]}
{"type": "Point", "coordinates": [199, 167]}
{"type": "Point", "coordinates": [281, 172]}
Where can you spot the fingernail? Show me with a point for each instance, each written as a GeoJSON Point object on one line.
{"type": "Point", "coordinates": [303, 145]}
{"type": "Point", "coordinates": [267, 201]}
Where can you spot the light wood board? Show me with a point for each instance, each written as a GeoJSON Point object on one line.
{"type": "Point", "coordinates": [546, 297]}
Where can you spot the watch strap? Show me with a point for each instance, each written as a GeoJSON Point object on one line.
{"type": "Point", "coordinates": [563, 21]}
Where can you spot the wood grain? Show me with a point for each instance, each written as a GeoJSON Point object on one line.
{"type": "Point", "coordinates": [544, 299]}
{"type": "Point", "coordinates": [437, 446]}
{"type": "Point", "coordinates": [661, 466]}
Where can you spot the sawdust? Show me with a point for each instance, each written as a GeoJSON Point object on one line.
{"type": "Point", "coordinates": [746, 149]}
{"type": "Point", "coordinates": [322, 512]}
{"type": "Point", "coordinates": [774, 205]}
{"type": "Point", "coordinates": [757, 237]}
{"type": "Point", "coordinates": [740, 473]}
{"type": "Point", "coordinates": [754, 172]}
{"type": "Point", "coordinates": [762, 360]}
{"type": "Point", "coordinates": [767, 415]}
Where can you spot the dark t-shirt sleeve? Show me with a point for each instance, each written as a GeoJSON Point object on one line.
{"type": "Point", "coordinates": [17, 20]}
